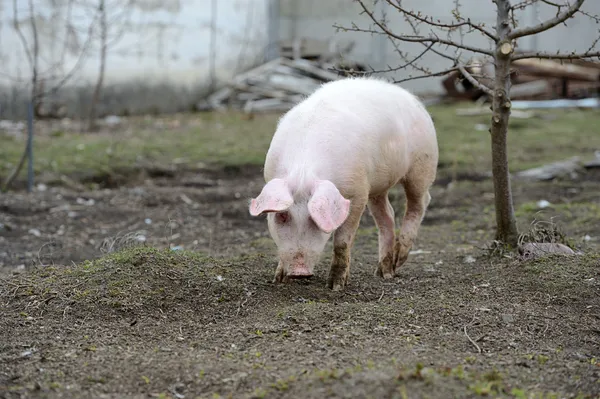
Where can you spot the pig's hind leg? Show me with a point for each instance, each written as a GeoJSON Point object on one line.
{"type": "Point", "coordinates": [416, 186]}
{"type": "Point", "coordinates": [343, 239]}
{"type": "Point", "coordinates": [383, 213]}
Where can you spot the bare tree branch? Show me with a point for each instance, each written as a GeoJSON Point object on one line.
{"type": "Point", "coordinates": [17, 28]}
{"type": "Point", "coordinates": [428, 75]}
{"type": "Point", "coordinates": [474, 81]}
{"type": "Point", "coordinates": [429, 21]}
{"type": "Point", "coordinates": [411, 39]}
{"type": "Point", "coordinates": [36, 50]}
{"type": "Point", "coordinates": [75, 68]}
{"type": "Point", "coordinates": [560, 18]}
{"type": "Point", "coordinates": [556, 56]}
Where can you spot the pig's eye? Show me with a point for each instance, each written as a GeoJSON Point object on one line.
{"type": "Point", "coordinates": [282, 217]}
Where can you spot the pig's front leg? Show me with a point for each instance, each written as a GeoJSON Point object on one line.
{"type": "Point", "coordinates": [280, 276]}
{"type": "Point", "coordinates": [343, 239]}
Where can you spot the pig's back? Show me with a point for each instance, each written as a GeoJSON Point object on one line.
{"type": "Point", "coordinates": [351, 128]}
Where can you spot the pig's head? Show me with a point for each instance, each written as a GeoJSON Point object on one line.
{"type": "Point", "coordinates": [300, 222]}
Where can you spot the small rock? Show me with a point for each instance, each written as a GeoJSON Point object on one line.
{"type": "Point", "coordinates": [543, 204]}
{"type": "Point", "coordinates": [508, 318]}
{"type": "Point", "coordinates": [26, 353]}
{"type": "Point", "coordinates": [148, 221]}
{"type": "Point", "coordinates": [112, 120]}
{"type": "Point", "coordinates": [587, 237]}
{"type": "Point", "coordinates": [469, 259]}
{"type": "Point", "coordinates": [35, 232]}
{"type": "Point", "coordinates": [82, 201]}
{"type": "Point", "coordinates": [220, 278]}
{"type": "Point", "coordinates": [42, 187]}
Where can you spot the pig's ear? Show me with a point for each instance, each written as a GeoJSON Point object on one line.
{"type": "Point", "coordinates": [327, 207]}
{"type": "Point", "coordinates": [274, 197]}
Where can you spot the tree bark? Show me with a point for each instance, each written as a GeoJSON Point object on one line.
{"type": "Point", "coordinates": [100, 81]}
{"type": "Point", "coordinates": [506, 224]}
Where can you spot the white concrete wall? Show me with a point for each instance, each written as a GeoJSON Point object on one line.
{"type": "Point", "coordinates": [315, 19]}
{"type": "Point", "coordinates": [164, 44]}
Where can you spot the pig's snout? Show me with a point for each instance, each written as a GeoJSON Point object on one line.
{"type": "Point", "coordinates": [299, 268]}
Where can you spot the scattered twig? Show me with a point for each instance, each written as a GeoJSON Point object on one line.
{"type": "Point", "coordinates": [470, 340]}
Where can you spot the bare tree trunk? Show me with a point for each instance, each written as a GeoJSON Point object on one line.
{"type": "Point", "coordinates": [505, 216]}
{"type": "Point", "coordinates": [100, 81]}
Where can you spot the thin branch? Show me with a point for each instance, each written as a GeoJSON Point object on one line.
{"type": "Point", "coordinates": [471, 340]}
{"type": "Point", "coordinates": [75, 68]}
{"type": "Point", "coordinates": [556, 56]}
{"type": "Point", "coordinates": [394, 69]}
{"type": "Point", "coordinates": [550, 3]}
{"type": "Point", "coordinates": [429, 75]}
{"type": "Point", "coordinates": [438, 24]}
{"type": "Point", "coordinates": [36, 49]}
{"type": "Point", "coordinates": [560, 18]}
{"type": "Point", "coordinates": [474, 81]}
{"type": "Point", "coordinates": [411, 39]}
{"type": "Point", "coordinates": [20, 33]}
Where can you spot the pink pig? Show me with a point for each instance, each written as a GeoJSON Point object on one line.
{"type": "Point", "coordinates": [334, 153]}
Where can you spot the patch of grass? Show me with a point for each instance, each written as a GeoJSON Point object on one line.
{"type": "Point", "coordinates": [217, 138]}
{"type": "Point", "coordinates": [532, 142]}
{"type": "Point", "coordinates": [575, 212]}
{"type": "Point", "coordinates": [230, 139]}
{"type": "Point", "coordinates": [541, 231]}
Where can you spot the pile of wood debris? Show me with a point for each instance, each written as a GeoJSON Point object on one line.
{"type": "Point", "coordinates": [532, 79]}
{"type": "Point", "coordinates": [281, 83]}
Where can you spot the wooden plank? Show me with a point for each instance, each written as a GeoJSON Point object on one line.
{"type": "Point", "coordinates": [293, 84]}
{"type": "Point", "coordinates": [309, 67]}
{"type": "Point", "coordinates": [552, 170]}
{"type": "Point", "coordinates": [530, 89]}
{"type": "Point", "coordinates": [553, 69]}
{"type": "Point", "coordinates": [558, 103]}
{"type": "Point", "coordinates": [268, 104]}
{"type": "Point", "coordinates": [263, 91]}
{"type": "Point", "coordinates": [256, 71]}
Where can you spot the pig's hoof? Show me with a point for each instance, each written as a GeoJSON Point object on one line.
{"type": "Point", "coordinates": [338, 286]}
{"type": "Point", "coordinates": [385, 268]}
{"type": "Point", "coordinates": [386, 275]}
{"type": "Point", "coordinates": [337, 283]}
{"type": "Point", "coordinates": [399, 263]}
{"type": "Point", "coordinates": [280, 277]}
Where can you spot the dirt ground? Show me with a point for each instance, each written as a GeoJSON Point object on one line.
{"type": "Point", "coordinates": [95, 304]}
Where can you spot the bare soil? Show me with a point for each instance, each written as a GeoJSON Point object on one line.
{"type": "Point", "coordinates": [161, 287]}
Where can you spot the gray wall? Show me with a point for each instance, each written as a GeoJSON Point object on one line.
{"type": "Point", "coordinates": [315, 19]}
{"type": "Point", "coordinates": [158, 61]}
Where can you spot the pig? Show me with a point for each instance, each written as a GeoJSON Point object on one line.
{"type": "Point", "coordinates": [335, 153]}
